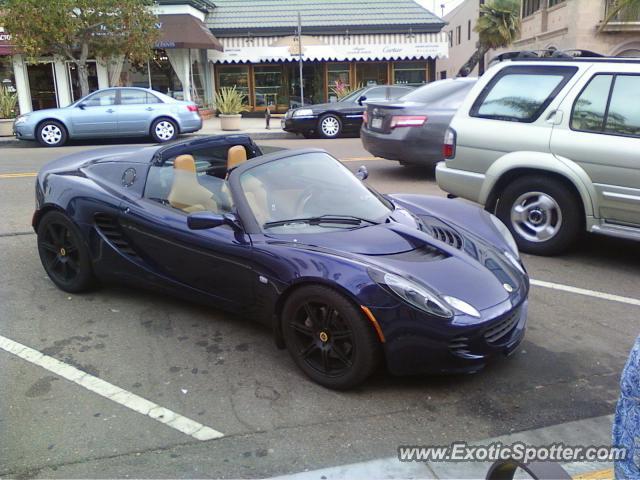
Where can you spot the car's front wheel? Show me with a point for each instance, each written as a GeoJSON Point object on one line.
{"type": "Point", "coordinates": [543, 215]}
{"type": "Point", "coordinates": [51, 133]}
{"type": "Point", "coordinates": [329, 338]}
{"type": "Point", "coordinates": [329, 126]}
{"type": "Point", "coordinates": [164, 130]}
{"type": "Point", "coordinates": [64, 255]}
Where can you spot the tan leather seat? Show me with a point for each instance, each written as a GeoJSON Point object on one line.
{"type": "Point", "coordinates": [235, 156]}
{"type": "Point", "coordinates": [257, 199]}
{"type": "Point", "coordinates": [186, 193]}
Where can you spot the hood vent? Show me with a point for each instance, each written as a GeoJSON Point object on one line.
{"type": "Point", "coordinates": [109, 227]}
{"type": "Point", "coordinates": [425, 253]}
{"type": "Point", "coordinates": [448, 236]}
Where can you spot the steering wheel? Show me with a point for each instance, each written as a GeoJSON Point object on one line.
{"type": "Point", "coordinates": [304, 198]}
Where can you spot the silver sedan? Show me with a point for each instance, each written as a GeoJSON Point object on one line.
{"type": "Point", "coordinates": [111, 112]}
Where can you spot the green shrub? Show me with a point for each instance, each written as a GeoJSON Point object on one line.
{"type": "Point", "coordinates": [229, 101]}
{"type": "Point", "coordinates": [8, 103]}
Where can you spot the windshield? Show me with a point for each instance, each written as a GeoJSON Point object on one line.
{"type": "Point", "coordinates": [310, 193]}
{"type": "Point", "coordinates": [439, 91]}
{"type": "Point", "coordinates": [353, 96]}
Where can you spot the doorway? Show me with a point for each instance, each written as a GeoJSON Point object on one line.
{"type": "Point", "coordinates": [42, 85]}
{"type": "Point", "coordinates": [313, 83]}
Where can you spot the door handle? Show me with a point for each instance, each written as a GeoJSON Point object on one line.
{"type": "Point", "coordinates": [149, 109]}
{"type": "Point", "coordinates": [111, 110]}
{"type": "Point", "coordinates": [555, 117]}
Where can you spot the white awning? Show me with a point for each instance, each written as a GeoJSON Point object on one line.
{"type": "Point", "coordinates": [332, 48]}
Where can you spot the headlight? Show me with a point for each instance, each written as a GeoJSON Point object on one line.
{"type": "Point", "coordinates": [303, 112]}
{"type": "Point", "coordinates": [515, 262]}
{"type": "Point", "coordinates": [21, 119]}
{"type": "Point", "coordinates": [416, 295]}
{"type": "Point", "coordinates": [506, 234]}
{"type": "Point", "coordinates": [462, 306]}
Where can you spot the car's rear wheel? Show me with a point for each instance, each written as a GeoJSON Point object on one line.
{"type": "Point", "coordinates": [164, 130]}
{"type": "Point", "coordinates": [329, 126]}
{"type": "Point", "coordinates": [328, 337]}
{"type": "Point", "coordinates": [63, 254]}
{"type": "Point", "coordinates": [543, 215]}
{"type": "Point", "coordinates": [51, 133]}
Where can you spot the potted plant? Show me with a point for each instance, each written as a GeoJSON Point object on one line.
{"type": "Point", "coordinates": [229, 105]}
{"type": "Point", "coordinates": [8, 101]}
{"type": "Point", "coordinates": [206, 111]}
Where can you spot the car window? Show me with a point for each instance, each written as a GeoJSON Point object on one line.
{"type": "Point", "coordinates": [397, 92]}
{"type": "Point", "coordinates": [377, 93]}
{"type": "Point", "coordinates": [590, 107]}
{"type": "Point", "coordinates": [521, 94]}
{"type": "Point", "coordinates": [101, 99]}
{"type": "Point", "coordinates": [436, 91]}
{"type": "Point", "coordinates": [175, 184]}
{"type": "Point", "coordinates": [623, 117]}
{"type": "Point", "coordinates": [137, 97]}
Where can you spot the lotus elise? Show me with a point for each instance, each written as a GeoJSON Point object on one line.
{"type": "Point", "coordinates": [344, 277]}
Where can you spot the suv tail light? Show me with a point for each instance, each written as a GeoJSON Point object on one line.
{"type": "Point", "coordinates": [365, 117]}
{"type": "Point", "coordinates": [408, 120]}
{"type": "Point", "coordinates": [449, 145]}
{"type": "Point", "coordinates": [192, 108]}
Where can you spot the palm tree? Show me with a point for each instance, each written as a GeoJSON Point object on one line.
{"type": "Point", "coordinates": [621, 10]}
{"type": "Point", "coordinates": [498, 26]}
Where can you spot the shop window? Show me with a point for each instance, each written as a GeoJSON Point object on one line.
{"type": "Point", "coordinates": [156, 74]}
{"type": "Point", "coordinates": [74, 79]}
{"type": "Point", "coordinates": [7, 80]}
{"type": "Point", "coordinates": [42, 85]}
{"type": "Point", "coordinates": [410, 73]}
{"type": "Point", "coordinates": [338, 77]}
{"type": "Point", "coordinates": [237, 76]}
{"type": "Point", "coordinates": [371, 73]}
{"type": "Point", "coordinates": [268, 82]}
{"type": "Point", "coordinates": [198, 81]}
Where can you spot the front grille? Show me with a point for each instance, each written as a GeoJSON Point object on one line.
{"type": "Point", "coordinates": [447, 235]}
{"type": "Point", "coordinates": [459, 345]}
{"type": "Point", "coordinates": [110, 228]}
{"type": "Point", "coordinates": [503, 328]}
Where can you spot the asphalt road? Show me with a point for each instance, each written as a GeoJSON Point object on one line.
{"type": "Point", "coordinates": [225, 373]}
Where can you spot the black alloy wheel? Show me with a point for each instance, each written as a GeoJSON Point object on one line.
{"type": "Point", "coordinates": [328, 337]}
{"type": "Point", "coordinates": [64, 256]}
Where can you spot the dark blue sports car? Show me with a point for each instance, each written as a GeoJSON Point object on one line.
{"type": "Point", "coordinates": [344, 277]}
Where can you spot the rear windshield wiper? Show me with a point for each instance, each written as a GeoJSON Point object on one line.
{"type": "Point", "coordinates": [335, 219]}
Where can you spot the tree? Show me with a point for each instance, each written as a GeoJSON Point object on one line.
{"type": "Point", "coordinates": [621, 10]}
{"type": "Point", "coordinates": [82, 29]}
{"type": "Point", "coordinates": [498, 26]}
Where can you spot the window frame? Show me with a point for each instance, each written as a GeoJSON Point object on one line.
{"type": "Point", "coordinates": [568, 72]}
{"type": "Point", "coordinates": [614, 78]}
{"type": "Point", "coordinates": [116, 101]}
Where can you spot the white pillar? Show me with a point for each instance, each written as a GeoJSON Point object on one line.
{"type": "Point", "coordinates": [187, 75]}
{"type": "Point", "coordinates": [63, 86]}
{"type": "Point", "coordinates": [22, 84]}
{"type": "Point", "coordinates": [103, 73]}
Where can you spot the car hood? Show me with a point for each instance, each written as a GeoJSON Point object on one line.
{"type": "Point", "coordinates": [335, 106]}
{"type": "Point", "coordinates": [476, 274]}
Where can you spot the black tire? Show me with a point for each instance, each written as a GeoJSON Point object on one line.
{"type": "Point", "coordinates": [308, 135]}
{"type": "Point", "coordinates": [329, 338]}
{"type": "Point", "coordinates": [329, 126]}
{"type": "Point", "coordinates": [543, 202]}
{"type": "Point", "coordinates": [164, 130]}
{"type": "Point", "coordinates": [51, 133]}
{"type": "Point", "coordinates": [64, 254]}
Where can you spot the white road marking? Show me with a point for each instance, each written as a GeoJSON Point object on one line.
{"type": "Point", "coordinates": [588, 293]}
{"type": "Point", "coordinates": [107, 390]}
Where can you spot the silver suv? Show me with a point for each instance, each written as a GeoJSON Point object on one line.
{"type": "Point", "coordinates": [552, 146]}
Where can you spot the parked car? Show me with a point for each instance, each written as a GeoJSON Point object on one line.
{"type": "Point", "coordinates": [411, 129]}
{"type": "Point", "coordinates": [551, 146]}
{"type": "Point", "coordinates": [342, 275]}
{"type": "Point", "coordinates": [330, 120]}
{"type": "Point", "coordinates": [111, 112]}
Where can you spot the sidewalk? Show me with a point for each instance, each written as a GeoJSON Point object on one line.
{"type": "Point", "coordinates": [592, 431]}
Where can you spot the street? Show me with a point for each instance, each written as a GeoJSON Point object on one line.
{"type": "Point", "coordinates": [226, 373]}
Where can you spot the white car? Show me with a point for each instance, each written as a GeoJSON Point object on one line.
{"type": "Point", "coordinates": [552, 146]}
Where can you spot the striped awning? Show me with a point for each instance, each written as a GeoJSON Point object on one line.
{"type": "Point", "coordinates": [333, 48]}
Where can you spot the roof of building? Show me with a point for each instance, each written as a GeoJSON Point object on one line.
{"type": "Point", "coordinates": [202, 5]}
{"type": "Point", "coordinates": [273, 17]}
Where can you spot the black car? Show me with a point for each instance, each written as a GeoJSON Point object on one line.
{"type": "Point", "coordinates": [329, 120]}
{"type": "Point", "coordinates": [411, 130]}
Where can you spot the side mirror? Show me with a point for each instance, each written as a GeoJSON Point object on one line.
{"type": "Point", "coordinates": [207, 220]}
{"type": "Point", "coordinates": [362, 99]}
{"type": "Point", "coordinates": [82, 106]}
{"type": "Point", "coordinates": [362, 173]}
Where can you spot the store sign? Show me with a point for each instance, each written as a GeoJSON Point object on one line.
{"type": "Point", "coordinates": [5, 42]}
{"type": "Point", "coordinates": [389, 51]}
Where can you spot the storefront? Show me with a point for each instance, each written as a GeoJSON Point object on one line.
{"type": "Point", "coordinates": [267, 69]}
{"type": "Point", "coordinates": [7, 79]}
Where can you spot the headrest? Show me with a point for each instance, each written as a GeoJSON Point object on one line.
{"type": "Point", "coordinates": [236, 155]}
{"type": "Point", "coordinates": [185, 162]}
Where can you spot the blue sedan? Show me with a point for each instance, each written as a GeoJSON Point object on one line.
{"type": "Point", "coordinates": [112, 112]}
{"type": "Point", "coordinates": [345, 278]}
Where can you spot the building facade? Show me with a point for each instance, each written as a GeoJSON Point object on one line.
{"type": "Point", "coordinates": [462, 39]}
{"type": "Point", "coordinates": [344, 43]}
{"type": "Point", "coordinates": [254, 46]}
{"type": "Point", "coordinates": [574, 24]}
